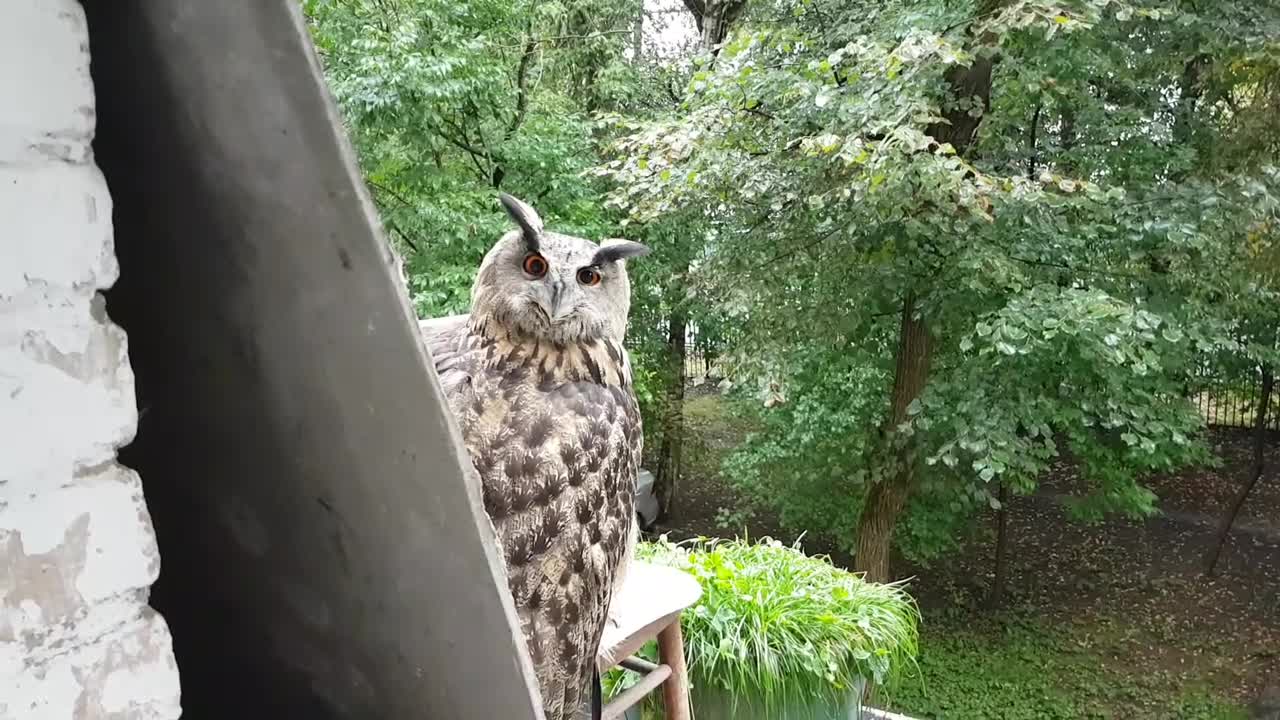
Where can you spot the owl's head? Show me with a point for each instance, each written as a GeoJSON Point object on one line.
{"type": "Point", "coordinates": [544, 285]}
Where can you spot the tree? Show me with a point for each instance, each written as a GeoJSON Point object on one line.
{"type": "Point", "coordinates": [878, 215]}
{"type": "Point", "coordinates": [1252, 307]}
{"type": "Point", "coordinates": [713, 19]}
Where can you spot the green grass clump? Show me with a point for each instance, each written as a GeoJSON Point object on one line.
{"type": "Point", "coordinates": [784, 627]}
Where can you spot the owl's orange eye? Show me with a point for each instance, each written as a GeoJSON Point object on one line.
{"type": "Point", "coordinates": [588, 276]}
{"type": "Point", "coordinates": [535, 265]}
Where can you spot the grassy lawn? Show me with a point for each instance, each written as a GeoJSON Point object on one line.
{"type": "Point", "coordinates": [1016, 670]}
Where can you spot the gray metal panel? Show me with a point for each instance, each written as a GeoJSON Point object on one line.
{"type": "Point", "coordinates": [323, 553]}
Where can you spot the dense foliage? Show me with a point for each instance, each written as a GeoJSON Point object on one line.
{"type": "Point", "coordinates": [1071, 206]}
{"type": "Point", "coordinates": [1063, 197]}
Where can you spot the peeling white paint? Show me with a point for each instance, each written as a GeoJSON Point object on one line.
{"type": "Point", "coordinates": [63, 368]}
{"type": "Point", "coordinates": [49, 103]}
{"type": "Point", "coordinates": [66, 207]}
{"type": "Point", "coordinates": [136, 683]}
{"type": "Point", "coordinates": [29, 611]}
{"type": "Point", "coordinates": [125, 672]}
{"type": "Point", "coordinates": [77, 551]}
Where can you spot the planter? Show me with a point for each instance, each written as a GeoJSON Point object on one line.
{"type": "Point", "coordinates": [711, 703]}
{"type": "Point", "coordinates": [772, 617]}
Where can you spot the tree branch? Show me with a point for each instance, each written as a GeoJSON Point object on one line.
{"type": "Point", "coordinates": [1031, 142]}
{"type": "Point", "coordinates": [522, 87]}
{"type": "Point", "coordinates": [397, 196]}
{"type": "Point", "coordinates": [558, 38]}
{"type": "Point", "coordinates": [796, 251]}
{"type": "Point", "coordinates": [1076, 269]}
{"type": "Point", "coordinates": [464, 143]}
{"type": "Point", "coordinates": [394, 228]}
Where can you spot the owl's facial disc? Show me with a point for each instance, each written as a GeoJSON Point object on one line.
{"type": "Point", "coordinates": [541, 284]}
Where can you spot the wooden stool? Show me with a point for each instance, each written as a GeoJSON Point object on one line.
{"type": "Point", "coordinates": [648, 605]}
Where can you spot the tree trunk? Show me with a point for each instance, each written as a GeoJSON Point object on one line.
{"type": "Point", "coordinates": [961, 127]}
{"type": "Point", "coordinates": [1067, 140]}
{"type": "Point", "coordinates": [1190, 90]}
{"type": "Point", "coordinates": [886, 498]}
{"type": "Point", "coordinates": [714, 18]}
{"type": "Point", "coordinates": [880, 512]}
{"type": "Point", "coordinates": [996, 594]}
{"type": "Point", "coordinates": [1002, 553]}
{"type": "Point", "coordinates": [667, 476]}
{"type": "Point", "coordinates": [637, 36]}
{"type": "Point", "coordinates": [1255, 471]}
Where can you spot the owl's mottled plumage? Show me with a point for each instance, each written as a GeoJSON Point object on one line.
{"type": "Point", "coordinates": [540, 384]}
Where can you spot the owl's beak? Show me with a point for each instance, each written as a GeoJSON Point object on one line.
{"type": "Point", "coordinates": [559, 309]}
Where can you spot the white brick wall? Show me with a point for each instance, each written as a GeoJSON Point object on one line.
{"type": "Point", "coordinates": [77, 553]}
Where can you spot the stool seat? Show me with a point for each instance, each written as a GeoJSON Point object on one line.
{"type": "Point", "coordinates": [647, 606]}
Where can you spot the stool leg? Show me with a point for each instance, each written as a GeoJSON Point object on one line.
{"type": "Point", "coordinates": [675, 691]}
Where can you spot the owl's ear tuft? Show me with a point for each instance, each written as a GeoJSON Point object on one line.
{"type": "Point", "coordinates": [616, 249]}
{"type": "Point", "coordinates": [524, 216]}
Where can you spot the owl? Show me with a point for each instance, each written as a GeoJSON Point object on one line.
{"type": "Point", "coordinates": [540, 384]}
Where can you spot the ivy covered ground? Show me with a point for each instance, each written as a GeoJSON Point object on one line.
{"type": "Point", "coordinates": [1112, 620]}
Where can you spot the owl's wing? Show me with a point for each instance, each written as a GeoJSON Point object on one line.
{"type": "Point", "coordinates": [564, 513]}
{"type": "Point", "coordinates": [446, 340]}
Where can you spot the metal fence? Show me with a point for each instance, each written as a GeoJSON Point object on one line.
{"type": "Point", "coordinates": [1231, 400]}
{"type": "Point", "coordinates": [701, 356]}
